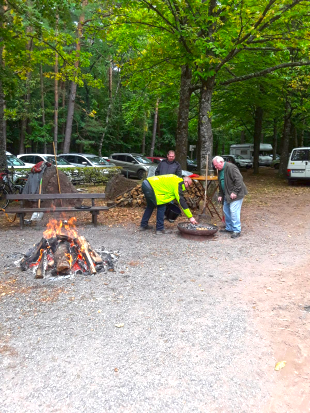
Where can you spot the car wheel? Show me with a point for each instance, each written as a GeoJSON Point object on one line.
{"type": "Point", "coordinates": [248, 167]}
{"type": "Point", "coordinates": [277, 165]}
{"type": "Point", "coordinates": [238, 164]}
{"type": "Point", "coordinates": [140, 174]}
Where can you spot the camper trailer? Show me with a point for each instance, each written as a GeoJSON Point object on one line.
{"type": "Point", "coordinates": [247, 151]}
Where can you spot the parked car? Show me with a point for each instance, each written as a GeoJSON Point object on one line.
{"type": "Point", "coordinates": [133, 164]}
{"type": "Point", "coordinates": [15, 163]}
{"type": "Point", "coordinates": [242, 162]}
{"type": "Point", "coordinates": [229, 158]}
{"type": "Point", "coordinates": [275, 162]}
{"type": "Point", "coordinates": [83, 159]}
{"type": "Point", "coordinates": [155, 159]}
{"type": "Point", "coordinates": [298, 167]}
{"type": "Point", "coordinates": [191, 165]}
{"type": "Point", "coordinates": [34, 158]}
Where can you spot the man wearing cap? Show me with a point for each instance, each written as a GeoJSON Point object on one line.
{"type": "Point", "coordinates": [159, 191]}
{"type": "Point", "coordinates": [231, 192]}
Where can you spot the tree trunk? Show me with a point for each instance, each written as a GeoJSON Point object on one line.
{"type": "Point", "coordinates": [43, 106]}
{"type": "Point", "coordinates": [3, 164]}
{"type": "Point", "coordinates": [154, 128]}
{"type": "Point", "coordinates": [73, 88]}
{"type": "Point", "coordinates": [275, 139]}
{"type": "Point", "coordinates": [144, 133]}
{"type": "Point", "coordinates": [183, 114]}
{"type": "Point", "coordinates": [56, 96]}
{"type": "Point", "coordinates": [242, 136]}
{"type": "Point", "coordinates": [285, 139]}
{"type": "Point", "coordinates": [109, 112]}
{"type": "Point", "coordinates": [258, 127]}
{"type": "Point", "coordinates": [110, 79]}
{"type": "Point", "coordinates": [302, 134]}
{"type": "Point", "coordinates": [205, 128]}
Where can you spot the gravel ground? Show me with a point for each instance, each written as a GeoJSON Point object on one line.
{"type": "Point", "coordinates": [174, 329]}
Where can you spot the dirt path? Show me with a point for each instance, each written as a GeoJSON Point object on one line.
{"type": "Point", "coordinates": [204, 322]}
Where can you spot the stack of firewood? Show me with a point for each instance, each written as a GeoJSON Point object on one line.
{"type": "Point", "coordinates": [135, 197]}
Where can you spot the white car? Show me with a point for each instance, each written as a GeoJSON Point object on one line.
{"type": "Point", "coordinates": [34, 158]}
{"type": "Point", "coordinates": [83, 159]}
{"type": "Point", "coordinates": [242, 162]}
{"type": "Point", "coordinates": [14, 162]}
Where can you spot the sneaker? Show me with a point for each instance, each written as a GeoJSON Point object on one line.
{"type": "Point", "coordinates": [235, 234]}
{"type": "Point", "coordinates": [163, 232]}
{"type": "Point", "coordinates": [225, 230]}
{"type": "Point", "coordinates": [145, 228]}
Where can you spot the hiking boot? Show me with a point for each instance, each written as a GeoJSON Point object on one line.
{"type": "Point", "coordinates": [163, 232]}
{"type": "Point", "coordinates": [225, 230]}
{"type": "Point", "coordinates": [235, 234]}
{"type": "Point", "coordinates": [145, 228]}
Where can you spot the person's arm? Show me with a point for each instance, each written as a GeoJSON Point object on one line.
{"type": "Point", "coordinates": [237, 180]}
{"type": "Point", "coordinates": [178, 171]}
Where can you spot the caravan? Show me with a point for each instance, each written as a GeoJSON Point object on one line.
{"type": "Point", "coordinates": [247, 151]}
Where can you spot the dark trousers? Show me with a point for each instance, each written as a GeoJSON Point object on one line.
{"type": "Point", "coordinates": [150, 205]}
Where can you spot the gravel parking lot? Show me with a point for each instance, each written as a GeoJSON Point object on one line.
{"type": "Point", "coordinates": [182, 325]}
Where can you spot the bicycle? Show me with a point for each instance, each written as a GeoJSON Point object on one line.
{"type": "Point", "coordinates": [8, 186]}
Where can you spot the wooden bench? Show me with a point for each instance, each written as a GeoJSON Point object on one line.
{"type": "Point", "coordinates": [21, 211]}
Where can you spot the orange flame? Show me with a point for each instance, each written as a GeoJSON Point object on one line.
{"type": "Point", "coordinates": [55, 228]}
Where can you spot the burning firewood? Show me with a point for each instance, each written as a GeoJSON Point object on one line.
{"type": "Point", "coordinates": [62, 258]}
{"type": "Point", "coordinates": [63, 251]}
{"type": "Point", "coordinates": [84, 247]}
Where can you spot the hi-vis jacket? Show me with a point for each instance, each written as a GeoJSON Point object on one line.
{"type": "Point", "coordinates": [167, 188]}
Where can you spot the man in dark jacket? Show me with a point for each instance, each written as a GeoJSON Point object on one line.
{"type": "Point", "coordinates": [169, 166]}
{"type": "Point", "coordinates": [231, 192]}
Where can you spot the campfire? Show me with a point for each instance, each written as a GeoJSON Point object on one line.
{"type": "Point", "coordinates": [63, 252]}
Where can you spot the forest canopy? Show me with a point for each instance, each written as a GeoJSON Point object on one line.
{"type": "Point", "coordinates": [149, 76]}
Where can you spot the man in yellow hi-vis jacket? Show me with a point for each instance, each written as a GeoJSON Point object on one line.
{"type": "Point", "coordinates": [159, 191]}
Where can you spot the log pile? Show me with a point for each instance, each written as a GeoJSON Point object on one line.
{"type": "Point", "coordinates": [135, 197]}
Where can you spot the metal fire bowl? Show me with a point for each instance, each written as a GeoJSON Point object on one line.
{"type": "Point", "coordinates": [183, 228]}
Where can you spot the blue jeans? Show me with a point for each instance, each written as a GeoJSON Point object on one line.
{"type": "Point", "coordinates": [150, 205]}
{"type": "Point", "coordinates": [232, 215]}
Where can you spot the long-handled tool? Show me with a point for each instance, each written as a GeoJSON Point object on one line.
{"type": "Point", "coordinates": [37, 216]}
{"type": "Point", "coordinates": [203, 217]}
{"type": "Point", "coordinates": [56, 168]}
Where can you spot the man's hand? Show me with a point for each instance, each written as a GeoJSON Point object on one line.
{"type": "Point", "coordinates": [219, 199]}
{"type": "Point", "coordinates": [193, 221]}
{"type": "Point", "coordinates": [233, 196]}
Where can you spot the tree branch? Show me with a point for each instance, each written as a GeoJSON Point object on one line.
{"type": "Point", "coordinates": [264, 72]}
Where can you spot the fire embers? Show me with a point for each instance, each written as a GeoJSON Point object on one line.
{"type": "Point", "coordinates": [63, 252]}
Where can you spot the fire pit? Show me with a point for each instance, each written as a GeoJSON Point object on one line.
{"type": "Point", "coordinates": [200, 229]}
{"type": "Point", "coordinates": [64, 252]}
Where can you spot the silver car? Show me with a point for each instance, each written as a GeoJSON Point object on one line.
{"type": "Point", "coordinates": [133, 164]}
{"type": "Point", "coordinates": [84, 159]}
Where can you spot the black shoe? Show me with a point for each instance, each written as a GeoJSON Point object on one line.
{"type": "Point", "coordinates": [163, 232]}
{"type": "Point", "coordinates": [145, 228]}
{"type": "Point", "coordinates": [225, 230]}
{"type": "Point", "coordinates": [235, 234]}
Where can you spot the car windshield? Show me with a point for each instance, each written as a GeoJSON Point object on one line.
{"type": "Point", "coordinates": [60, 160]}
{"type": "Point", "coordinates": [142, 159]}
{"type": "Point", "coordinates": [97, 160]}
{"type": "Point", "coordinates": [191, 162]}
{"type": "Point", "coordinates": [239, 157]}
{"type": "Point", "coordinates": [13, 161]}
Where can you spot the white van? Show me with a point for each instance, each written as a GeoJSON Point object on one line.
{"type": "Point", "coordinates": [298, 167]}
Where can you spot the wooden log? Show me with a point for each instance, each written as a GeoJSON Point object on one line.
{"type": "Point", "coordinates": [84, 248]}
{"type": "Point", "coordinates": [61, 256]}
{"type": "Point", "coordinates": [33, 254]}
{"type": "Point", "coordinates": [41, 269]}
